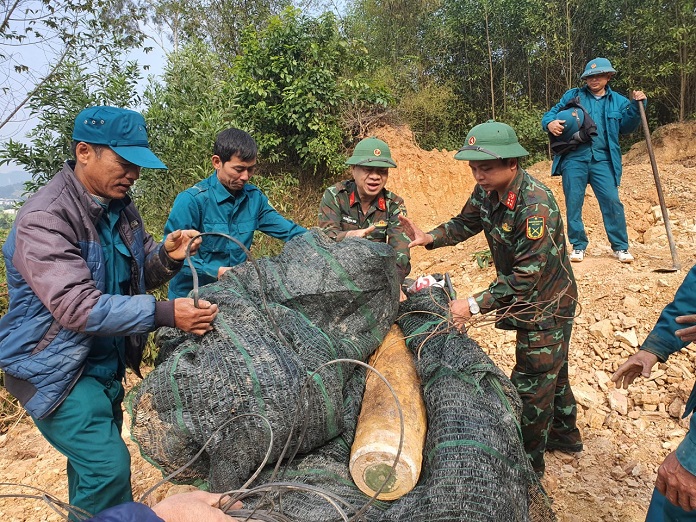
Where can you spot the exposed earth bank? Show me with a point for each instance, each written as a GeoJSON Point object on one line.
{"type": "Point", "coordinates": [626, 434]}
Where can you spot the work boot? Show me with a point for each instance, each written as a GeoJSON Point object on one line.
{"type": "Point", "coordinates": [577, 255]}
{"type": "Point", "coordinates": [624, 256]}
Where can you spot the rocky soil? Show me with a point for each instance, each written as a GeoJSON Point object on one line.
{"type": "Point", "coordinates": [626, 433]}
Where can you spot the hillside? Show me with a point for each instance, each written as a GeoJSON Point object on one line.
{"type": "Point", "coordinates": [626, 434]}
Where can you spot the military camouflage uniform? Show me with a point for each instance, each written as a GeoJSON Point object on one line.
{"type": "Point", "coordinates": [535, 293]}
{"type": "Point", "coordinates": [340, 211]}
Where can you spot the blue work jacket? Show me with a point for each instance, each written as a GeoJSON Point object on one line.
{"type": "Point", "coordinates": [663, 342]}
{"type": "Point", "coordinates": [621, 116]}
{"type": "Point", "coordinates": [209, 207]}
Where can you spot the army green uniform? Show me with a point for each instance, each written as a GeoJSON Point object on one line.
{"type": "Point", "coordinates": [340, 211]}
{"type": "Point", "coordinates": [534, 293]}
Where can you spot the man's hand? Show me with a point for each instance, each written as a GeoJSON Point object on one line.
{"type": "Point", "coordinates": [194, 506]}
{"type": "Point", "coordinates": [459, 308]}
{"type": "Point", "coordinates": [361, 232]}
{"type": "Point", "coordinates": [191, 319]}
{"type": "Point", "coordinates": [222, 270]}
{"type": "Point", "coordinates": [676, 484]}
{"type": "Point", "coordinates": [556, 127]}
{"type": "Point", "coordinates": [688, 335]}
{"type": "Point", "coordinates": [415, 234]}
{"type": "Point", "coordinates": [640, 363]}
{"type": "Point", "coordinates": [176, 242]}
{"type": "Point", "coordinates": [639, 96]}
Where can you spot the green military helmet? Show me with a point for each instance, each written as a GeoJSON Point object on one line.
{"type": "Point", "coordinates": [597, 66]}
{"type": "Point", "coordinates": [372, 152]}
{"type": "Point", "coordinates": [491, 140]}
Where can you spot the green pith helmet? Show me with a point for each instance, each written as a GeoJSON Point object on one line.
{"type": "Point", "coordinates": [597, 66]}
{"type": "Point", "coordinates": [372, 152]}
{"type": "Point", "coordinates": [491, 140]}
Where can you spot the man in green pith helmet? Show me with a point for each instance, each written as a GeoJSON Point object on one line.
{"type": "Point", "coordinates": [535, 291]}
{"type": "Point", "coordinates": [363, 207]}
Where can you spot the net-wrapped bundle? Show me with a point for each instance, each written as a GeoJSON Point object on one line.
{"type": "Point", "coordinates": [316, 302]}
{"type": "Point", "coordinates": [474, 466]}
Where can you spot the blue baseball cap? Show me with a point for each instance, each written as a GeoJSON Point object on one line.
{"type": "Point", "coordinates": [122, 130]}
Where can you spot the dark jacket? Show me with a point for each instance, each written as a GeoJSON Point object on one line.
{"type": "Point", "coordinates": [129, 512]}
{"type": "Point", "coordinates": [56, 284]}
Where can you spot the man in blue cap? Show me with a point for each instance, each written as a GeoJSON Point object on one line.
{"type": "Point", "coordinates": [79, 263]}
{"type": "Point", "coordinates": [596, 162]}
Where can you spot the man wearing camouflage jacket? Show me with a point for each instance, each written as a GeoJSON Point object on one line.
{"type": "Point", "coordinates": [363, 207]}
{"type": "Point", "coordinates": [535, 291]}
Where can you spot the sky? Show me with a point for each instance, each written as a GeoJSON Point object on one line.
{"type": "Point", "coordinates": [22, 123]}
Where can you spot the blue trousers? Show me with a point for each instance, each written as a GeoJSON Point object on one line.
{"type": "Point", "coordinates": [86, 428]}
{"type": "Point", "coordinates": [662, 510]}
{"type": "Point", "coordinates": [599, 175]}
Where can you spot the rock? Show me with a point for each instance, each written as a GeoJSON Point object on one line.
{"type": "Point", "coordinates": [663, 283]}
{"type": "Point", "coordinates": [629, 337]}
{"type": "Point", "coordinates": [655, 234]}
{"type": "Point", "coordinates": [595, 419]}
{"type": "Point", "coordinates": [630, 322]}
{"type": "Point", "coordinates": [618, 401]}
{"type": "Point", "coordinates": [587, 396]}
{"type": "Point", "coordinates": [603, 330]}
{"type": "Point", "coordinates": [602, 379]}
{"type": "Point", "coordinates": [676, 408]}
{"type": "Point", "coordinates": [617, 473]}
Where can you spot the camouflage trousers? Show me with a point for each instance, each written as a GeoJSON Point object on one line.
{"type": "Point", "coordinates": [549, 410]}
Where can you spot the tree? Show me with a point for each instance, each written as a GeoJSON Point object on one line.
{"type": "Point", "coordinates": [184, 114]}
{"type": "Point", "coordinates": [38, 36]}
{"type": "Point", "coordinates": [295, 81]}
{"type": "Point", "coordinates": [56, 103]}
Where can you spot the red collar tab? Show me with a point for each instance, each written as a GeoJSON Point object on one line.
{"type": "Point", "coordinates": [510, 200]}
{"type": "Point", "coordinates": [351, 199]}
{"type": "Point", "coordinates": [382, 204]}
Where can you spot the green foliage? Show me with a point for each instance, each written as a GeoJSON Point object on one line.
{"type": "Point", "coordinates": [184, 114]}
{"type": "Point", "coordinates": [483, 258]}
{"type": "Point", "coordinates": [429, 113]}
{"type": "Point", "coordinates": [55, 105]}
{"type": "Point", "coordinates": [293, 82]}
{"type": "Point", "coordinates": [526, 122]}
{"type": "Point", "coordinates": [44, 35]}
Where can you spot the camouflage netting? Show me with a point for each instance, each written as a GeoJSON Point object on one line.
{"type": "Point", "coordinates": [320, 301]}
{"type": "Point", "coordinates": [474, 466]}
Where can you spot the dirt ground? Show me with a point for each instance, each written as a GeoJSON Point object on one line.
{"type": "Point", "coordinates": [626, 433]}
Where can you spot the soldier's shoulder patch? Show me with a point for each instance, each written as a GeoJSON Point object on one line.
{"type": "Point", "coordinates": [535, 227]}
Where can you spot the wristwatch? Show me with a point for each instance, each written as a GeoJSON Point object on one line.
{"type": "Point", "coordinates": [473, 306]}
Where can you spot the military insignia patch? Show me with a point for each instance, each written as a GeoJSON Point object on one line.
{"type": "Point", "coordinates": [507, 227]}
{"type": "Point", "coordinates": [348, 219]}
{"type": "Point", "coordinates": [382, 203]}
{"type": "Point", "coordinates": [472, 140]}
{"type": "Point", "coordinates": [380, 224]}
{"type": "Point", "coordinates": [377, 152]}
{"type": "Point", "coordinates": [510, 200]}
{"type": "Point", "coordinates": [535, 227]}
